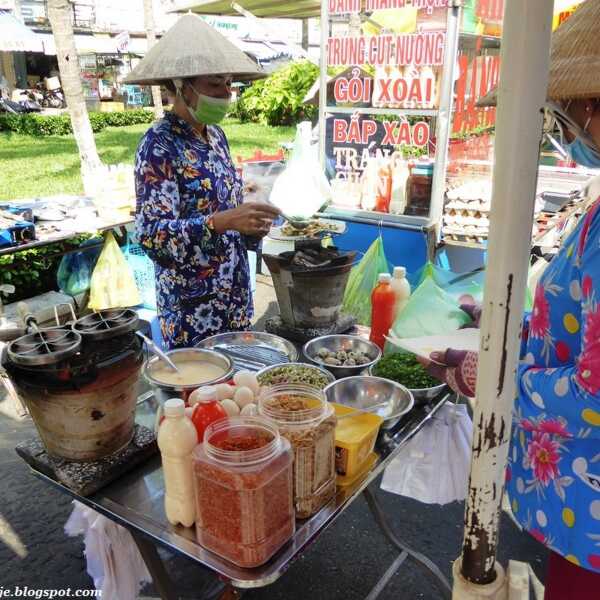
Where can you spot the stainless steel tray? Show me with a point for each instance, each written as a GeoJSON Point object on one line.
{"type": "Point", "coordinates": [136, 501]}
{"type": "Point", "coordinates": [252, 350]}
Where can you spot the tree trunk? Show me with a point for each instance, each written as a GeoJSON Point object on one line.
{"type": "Point", "coordinates": [305, 35]}
{"type": "Point", "coordinates": [59, 13]}
{"type": "Point", "coordinates": [151, 38]}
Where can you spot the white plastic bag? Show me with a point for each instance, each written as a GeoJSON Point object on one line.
{"type": "Point", "coordinates": [433, 467]}
{"type": "Point", "coordinates": [301, 190]}
{"type": "Point", "coordinates": [113, 559]}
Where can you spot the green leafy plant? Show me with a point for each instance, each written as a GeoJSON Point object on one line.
{"type": "Point", "coordinates": [39, 125]}
{"type": "Point", "coordinates": [278, 100]}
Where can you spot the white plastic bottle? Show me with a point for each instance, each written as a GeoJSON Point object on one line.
{"type": "Point", "coordinates": [401, 288]}
{"type": "Point", "coordinates": [400, 176]}
{"type": "Point", "coordinates": [177, 438]}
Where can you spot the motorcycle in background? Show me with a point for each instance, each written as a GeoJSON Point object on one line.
{"type": "Point", "coordinates": [52, 94]}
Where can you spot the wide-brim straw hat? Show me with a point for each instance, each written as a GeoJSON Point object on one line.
{"type": "Point", "coordinates": [574, 58]}
{"type": "Point", "coordinates": [192, 48]}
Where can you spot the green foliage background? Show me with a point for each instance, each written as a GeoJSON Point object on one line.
{"type": "Point", "coordinates": [277, 100]}
{"type": "Point", "coordinates": [38, 125]}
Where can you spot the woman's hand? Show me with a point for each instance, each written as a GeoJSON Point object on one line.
{"type": "Point", "coordinates": [250, 218]}
{"type": "Point", "coordinates": [458, 368]}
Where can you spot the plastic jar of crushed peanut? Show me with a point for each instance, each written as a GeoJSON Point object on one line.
{"type": "Point", "coordinates": [304, 417]}
{"type": "Point", "coordinates": [243, 484]}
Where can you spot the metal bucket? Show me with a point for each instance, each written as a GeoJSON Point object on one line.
{"type": "Point", "coordinates": [309, 299]}
{"type": "Point", "coordinates": [86, 424]}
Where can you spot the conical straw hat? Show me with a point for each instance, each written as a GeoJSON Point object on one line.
{"type": "Point", "coordinates": [189, 49]}
{"type": "Point", "coordinates": [574, 59]}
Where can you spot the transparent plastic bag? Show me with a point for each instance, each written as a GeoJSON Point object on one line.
{"type": "Point", "coordinates": [434, 466]}
{"type": "Point", "coordinates": [143, 273]}
{"type": "Point", "coordinates": [259, 178]}
{"type": "Point", "coordinates": [429, 311]}
{"type": "Point", "coordinates": [113, 283]}
{"type": "Point", "coordinates": [362, 280]}
{"type": "Point", "coordinates": [302, 189]}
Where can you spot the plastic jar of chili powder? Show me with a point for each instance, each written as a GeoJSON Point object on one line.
{"type": "Point", "coordinates": [243, 486]}
{"type": "Point", "coordinates": [303, 416]}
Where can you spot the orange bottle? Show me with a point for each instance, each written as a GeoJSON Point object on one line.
{"type": "Point", "coordinates": [384, 187]}
{"type": "Point", "coordinates": [383, 303]}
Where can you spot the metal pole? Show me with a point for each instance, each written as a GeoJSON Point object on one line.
{"type": "Point", "coordinates": [323, 81]}
{"type": "Point", "coordinates": [522, 93]}
{"type": "Point", "coordinates": [444, 117]}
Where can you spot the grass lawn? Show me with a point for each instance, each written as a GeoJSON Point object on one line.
{"type": "Point", "coordinates": [44, 166]}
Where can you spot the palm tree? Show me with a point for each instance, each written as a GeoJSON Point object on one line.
{"type": "Point", "coordinates": [59, 13]}
{"type": "Point", "coordinates": [151, 38]}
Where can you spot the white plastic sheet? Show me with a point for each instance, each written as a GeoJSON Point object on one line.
{"type": "Point", "coordinates": [434, 466]}
{"type": "Point", "coordinates": [113, 559]}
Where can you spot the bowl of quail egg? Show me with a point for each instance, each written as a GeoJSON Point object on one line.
{"type": "Point", "coordinates": [342, 355]}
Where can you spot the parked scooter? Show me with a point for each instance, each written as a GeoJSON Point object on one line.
{"type": "Point", "coordinates": [18, 108]}
{"type": "Point", "coordinates": [30, 100]}
{"type": "Point", "coordinates": [51, 98]}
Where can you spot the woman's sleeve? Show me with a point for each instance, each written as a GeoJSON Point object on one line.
{"type": "Point", "coordinates": [572, 392]}
{"type": "Point", "coordinates": [167, 239]}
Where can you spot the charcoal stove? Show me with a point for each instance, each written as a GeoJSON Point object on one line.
{"type": "Point", "coordinates": [309, 284]}
{"type": "Point", "coordinates": [80, 383]}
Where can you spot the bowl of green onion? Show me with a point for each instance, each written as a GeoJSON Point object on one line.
{"type": "Point", "coordinates": [405, 369]}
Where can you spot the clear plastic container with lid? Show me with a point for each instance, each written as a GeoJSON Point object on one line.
{"type": "Point", "coordinates": [306, 419]}
{"type": "Point", "coordinates": [243, 485]}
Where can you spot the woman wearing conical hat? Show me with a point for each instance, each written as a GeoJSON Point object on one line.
{"type": "Point", "coordinates": [190, 218]}
{"type": "Point", "coordinates": [553, 477]}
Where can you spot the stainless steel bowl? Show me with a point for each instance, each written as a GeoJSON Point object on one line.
{"type": "Point", "coordinates": [330, 378]}
{"type": "Point", "coordinates": [421, 395]}
{"type": "Point", "coordinates": [164, 391]}
{"type": "Point", "coordinates": [362, 392]}
{"type": "Point", "coordinates": [348, 343]}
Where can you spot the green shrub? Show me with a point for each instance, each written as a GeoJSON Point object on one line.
{"type": "Point", "coordinates": [33, 271]}
{"type": "Point", "coordinates": [41, 125]}
{"type": "Point", "coordinates": [277, 100]}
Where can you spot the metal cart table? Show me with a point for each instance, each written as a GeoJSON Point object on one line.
{"type": "Point", "coordinates": [135, 501]}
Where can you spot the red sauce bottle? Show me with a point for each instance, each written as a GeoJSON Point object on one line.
{"type": "Point", "coordinates": [207, 409]}
{"type": "Point", "coordinates": [383, 302]}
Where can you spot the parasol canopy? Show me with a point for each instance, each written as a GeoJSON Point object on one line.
{"type": "Point", "coordinates": [275, 9]}
{"type": "Point", "coordinates": [15, 37]}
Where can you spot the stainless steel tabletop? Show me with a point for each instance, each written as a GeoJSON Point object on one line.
{"type": "Point", "coordinates": [136, 501]}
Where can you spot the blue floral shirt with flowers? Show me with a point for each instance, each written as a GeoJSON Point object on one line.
{"type": "Point", "coordinates": [202, 277]}
{"type": "Point", "coordinates": [553, 476]}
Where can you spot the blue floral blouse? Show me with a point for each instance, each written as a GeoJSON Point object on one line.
{"type": "Point", "coordinates": [202, 277]}
{"type": "Point", "coordinates": [553, 476]}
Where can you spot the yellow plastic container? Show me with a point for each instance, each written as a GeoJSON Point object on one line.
{"type": "Point", "coordinates": [345, 481]}
{"type": "Point", "coordinates": [354, 440]}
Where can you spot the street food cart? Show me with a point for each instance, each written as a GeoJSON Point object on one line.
{"type": "Point", "coordinates": [135, 500]}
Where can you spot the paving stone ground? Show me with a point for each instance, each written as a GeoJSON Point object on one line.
{"type": "Point", "coordinates": [344, 564]}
